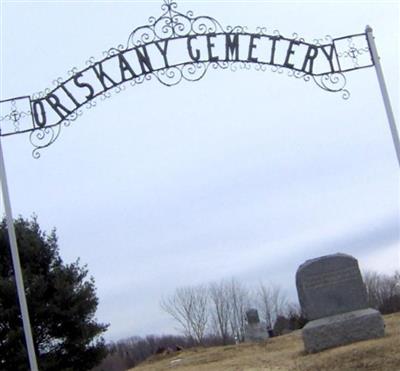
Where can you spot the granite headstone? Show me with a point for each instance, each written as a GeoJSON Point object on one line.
{"type": "Point", "coordinates": [330, 285]}
{"type": "Point", "coordinates": [252, 316]}
{"type": "Point", "coordinates": [255, 330]}
{"type": "Point", "coordinates": [333, 298]}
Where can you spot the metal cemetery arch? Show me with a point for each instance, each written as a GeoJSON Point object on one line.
{"type": "Point", "coordinates": [172, 48]}
{"type": "Point", "coordinates": [149, 54]}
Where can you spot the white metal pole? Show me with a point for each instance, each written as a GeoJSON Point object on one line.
{"type": "Point", "coordinates": [385, 95]}
{"type": "Point", "coordinates": [17, 265]}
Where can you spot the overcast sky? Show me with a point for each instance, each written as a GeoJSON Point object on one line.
{"type": "Point", "coordinates": [242, 174]}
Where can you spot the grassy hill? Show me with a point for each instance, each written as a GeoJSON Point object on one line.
{"type": "Point", "coordinates": [287, 353]}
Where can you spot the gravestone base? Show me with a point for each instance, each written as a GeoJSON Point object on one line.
{"type": "Point", "coordinates": [341, 329]}
{"type": "Point", "coordinates": [255, 332]}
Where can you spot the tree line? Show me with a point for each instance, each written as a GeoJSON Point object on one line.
{"type": "Point", "coordinates": [206, 315]}
{"type": "Point", "coordinates": [383, 291]}
{"type": "Point", "coordinates": [219, 309]}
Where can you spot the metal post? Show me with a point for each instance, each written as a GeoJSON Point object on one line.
{"type": "Point", "coordinates": [385, 95]}
{"type": "Point", "coordinates": [17, 266]}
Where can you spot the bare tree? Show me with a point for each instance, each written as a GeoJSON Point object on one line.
{"type": "Point", "coordinates": [239, 302]}
{"type": "Point", "coordinates": [188, 306]}
{"type": "Point", "coordinates": [221, 309]}
{"type": "Point", "coordinates": [272, 301]}
{"type": "Point", "coordinates": [383, 291]}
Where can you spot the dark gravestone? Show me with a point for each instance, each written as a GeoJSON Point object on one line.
{"type": "Point", "coordinates": [252, 316]}
{"type": "Point", "coordinates": [282, 325]}
{"type": "Point", "coordinates": [254, 329]}
{"type": "Point", "coordinates": [330, 285]}
{"type": "Point", "coordinates": [333, 297]}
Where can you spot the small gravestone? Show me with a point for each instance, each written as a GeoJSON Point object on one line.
{"type": "Point", "coordinates": [282, 325]}
{"type": "Point", "coordinates": [254, 329]}
{"type": "Point", "coordinates": [333, 298]}
{"type": "Point", "coordinates": [252, 316]}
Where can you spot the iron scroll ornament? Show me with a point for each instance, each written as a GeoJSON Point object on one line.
{"type": "Point", "coordinates": [178, 47]}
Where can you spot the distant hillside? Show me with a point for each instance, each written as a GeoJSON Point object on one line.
{"type": "Point", "coordinates": [286, 353]}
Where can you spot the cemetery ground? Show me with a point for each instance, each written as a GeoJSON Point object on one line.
{"type": "Point", "coordinates": [286, 352]}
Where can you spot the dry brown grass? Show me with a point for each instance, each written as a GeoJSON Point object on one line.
{"type": "Point", "coordinates": [287, 353]}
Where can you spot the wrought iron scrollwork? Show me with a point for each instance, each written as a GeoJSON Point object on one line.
{"type": "Point", "coordinates": [15, 115]}
{"type": "Point", "coordinates": [353, 52]}
{"type": "Point", "coordinates": [334, 83]}
{"type": "Point", "coordinates": [172, 24]}
{"type": "Point", "coordinates": [175, 25]}
{"type": "Point", "coordinates": [174, 75]}
{"type": "Point", "coordinates": [41, 138]}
